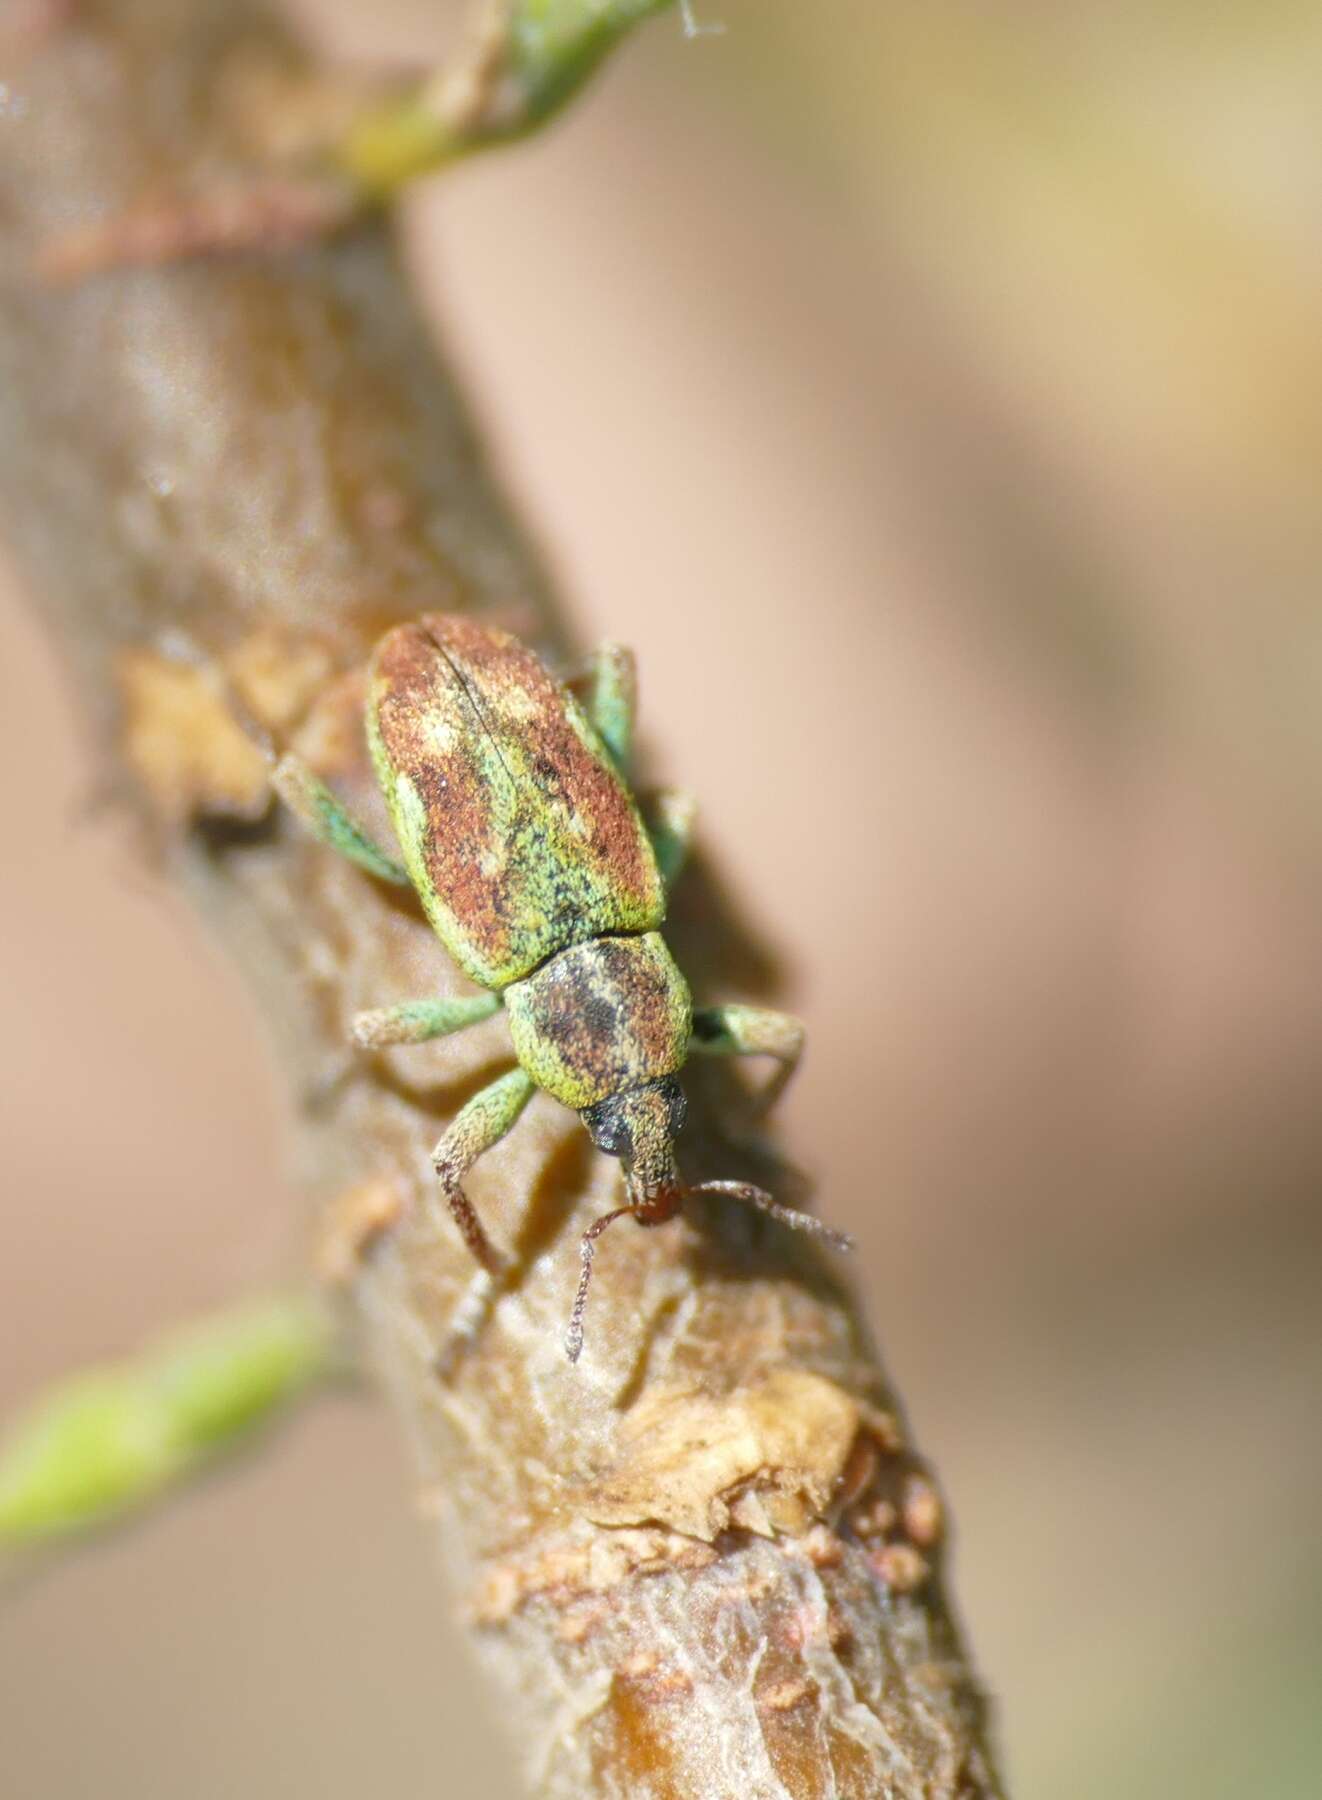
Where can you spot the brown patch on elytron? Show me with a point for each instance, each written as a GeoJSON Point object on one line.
{"type": "Point", "coordinates": [499, 757]}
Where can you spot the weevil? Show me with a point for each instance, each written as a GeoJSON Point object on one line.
{"type": "Point", "coordinates": [528, 850]}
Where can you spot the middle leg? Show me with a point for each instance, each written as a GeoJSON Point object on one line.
{"type": "Point", "coordinates": [751, 1031]}
{"type": "Point", "coordinates": [418, 1021]}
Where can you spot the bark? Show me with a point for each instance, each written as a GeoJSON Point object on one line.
{"type": "Point", "coordinates": [705, 1562]}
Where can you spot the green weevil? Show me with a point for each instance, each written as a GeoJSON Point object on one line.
{"type": "Point", "coordinates": [530, 856]}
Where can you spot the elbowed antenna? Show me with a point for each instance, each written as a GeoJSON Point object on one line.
{"type": "Point", "coordinates": [787, 1215]}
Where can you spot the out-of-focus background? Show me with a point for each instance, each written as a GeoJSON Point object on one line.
{"type": "Point", "coordinates": [952, 375]}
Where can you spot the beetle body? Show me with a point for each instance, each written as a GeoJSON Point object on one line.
{"type": "Point", "coordinates": [537, 872]}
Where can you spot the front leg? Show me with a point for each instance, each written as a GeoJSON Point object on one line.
{"type": "Point", "coordinates": [750, 1031]}
{"type": "Point", "coordinates": [473, 1130]}
{"type": "Point", "coordinates": [308, 796]}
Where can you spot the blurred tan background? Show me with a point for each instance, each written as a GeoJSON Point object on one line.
{"type": "Point", "coordinates": [933, 395]}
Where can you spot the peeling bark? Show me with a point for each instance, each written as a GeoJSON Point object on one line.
{"type": "Point", "coordinates": [703, 1563]}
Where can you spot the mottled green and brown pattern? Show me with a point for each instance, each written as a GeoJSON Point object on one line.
{"type": "Point", "coordinates": [537, 873]}
{"type": "Point", "coordinates": [516, 830]}
{"type": "Point", "coordinates": [602, 1018]}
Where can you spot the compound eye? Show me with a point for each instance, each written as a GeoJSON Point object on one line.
{"type": "Point", "coordinates": [607, 1127]}
{"type": "Point", "coordinates": [677, 1106]}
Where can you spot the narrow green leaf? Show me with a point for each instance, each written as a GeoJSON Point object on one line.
{"type": "Point", "coordinates": [107, 1442]}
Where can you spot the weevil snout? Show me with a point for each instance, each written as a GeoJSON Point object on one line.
{"type": "Point", "coordinates": [640, 1126]}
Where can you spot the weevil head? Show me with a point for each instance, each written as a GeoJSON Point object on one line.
{"type": "Point", "coordinates": [640, 1125]}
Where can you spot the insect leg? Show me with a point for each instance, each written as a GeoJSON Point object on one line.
{"type": "Point", "coordinates": [415, 1021]}
{"type": "Point", "coordinates": [612, 698]}
{"type": "Point", "coordinates": [750, 1031]}
{"type": "Point", "coordinates": [307, 795]}
{"type": "Point", "coordinates": [473, 1130]}
{"type": "Point", "coordinates": [672, 815]}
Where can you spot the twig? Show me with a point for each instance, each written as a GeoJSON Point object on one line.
{"type": "Point", "coordinates": [704, 1563]}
